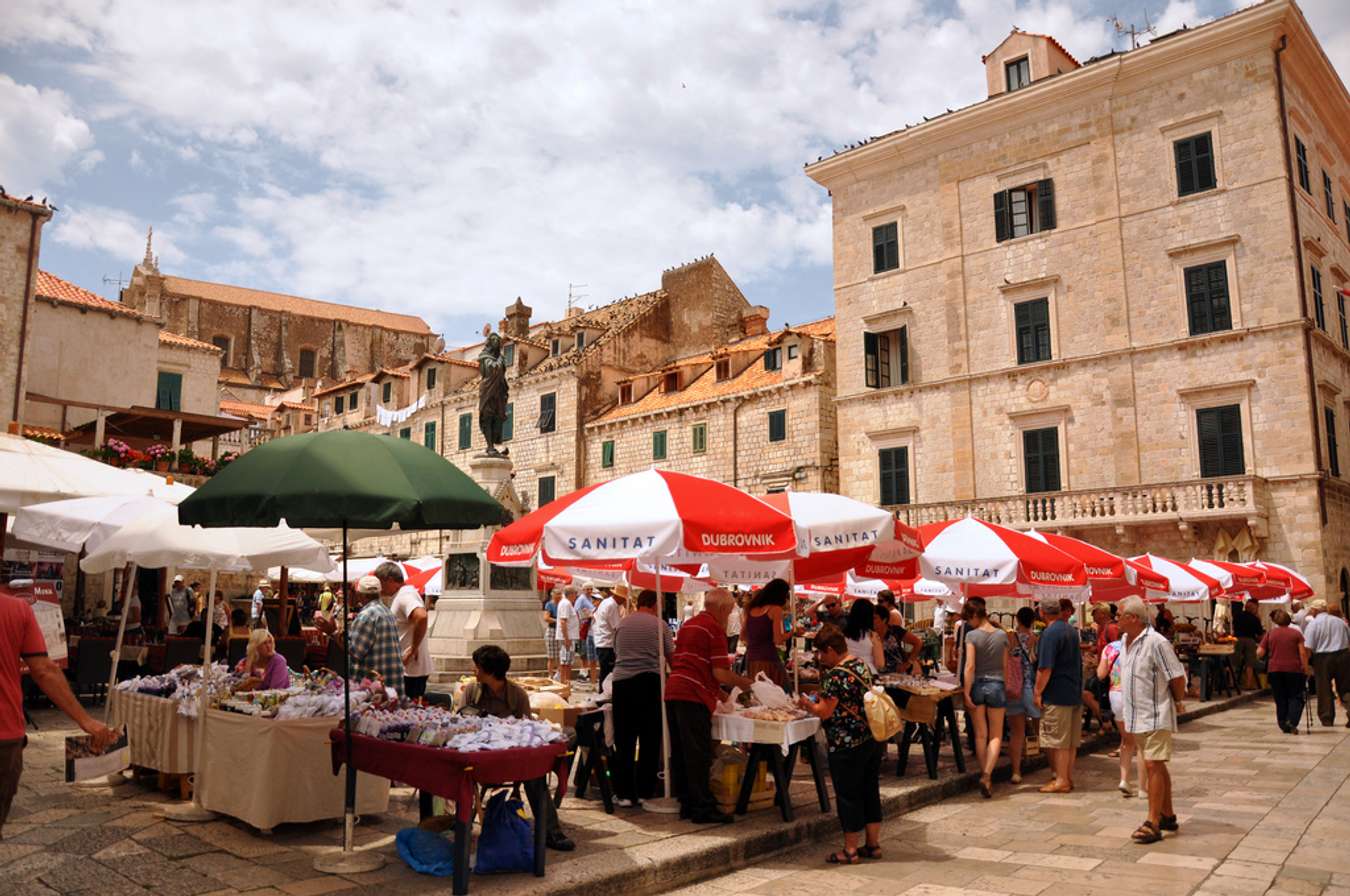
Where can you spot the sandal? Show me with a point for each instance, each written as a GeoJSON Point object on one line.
{"type": "Point", "coordinates": [1169, 823]}
{"type": "Point", "coordinates": [1146, 833]}
{"type": "Point", "coordinates": [843, 857]}
{"type": "Point", "coordinates": [867, 851]}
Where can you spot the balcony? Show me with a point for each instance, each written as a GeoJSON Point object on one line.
{"type": "Point", "coordinates": [1179, 503]}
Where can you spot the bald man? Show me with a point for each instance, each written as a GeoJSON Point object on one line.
{"type": "Point", "coordinates": [699, 669]}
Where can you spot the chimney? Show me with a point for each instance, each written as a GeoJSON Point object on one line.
{"type": "Point", "coordinates": [517, 320]}
{"type": "Point", "coordinates": [755, 321]}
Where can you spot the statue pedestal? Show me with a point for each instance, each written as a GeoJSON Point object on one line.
{"type": "Point", "coordinates": [509, 617]}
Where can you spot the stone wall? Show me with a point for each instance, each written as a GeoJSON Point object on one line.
{"type": "Point", "coordinates": [16, 226]}
{"type": "Point", "coordinates": [200, 370]}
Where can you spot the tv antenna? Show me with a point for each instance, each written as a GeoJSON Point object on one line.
{"type": "Point", "coordinates": [573, 296]}
{"type": "Point", "coordinates": [1123, 28]}
{"type": "Point", "coordinates": [109, 281]}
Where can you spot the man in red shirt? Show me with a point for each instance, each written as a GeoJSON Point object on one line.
{"type": "Point", "coordinates": [698, 670]}
{"type": "Point", "coordinates": [21, 641]}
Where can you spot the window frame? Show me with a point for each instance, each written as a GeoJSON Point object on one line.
{"type": "Point", "coordinates": [339, 405]}
{"type": "Point", "coordinates": [1333, 443]}
{"type": "Point", "coordinates": [1329, 195]}
{"type": "Point", "coordinates": [902, 471]}
{"type": "Point", "coordinates": [722, 369]}
{"type": "Point", "coordinates": [300, 363]}
{"type": "Point", "coordinates": [1194, 163]}
{"type": "Point", "coordinates": [548, 412]}
{"type": "Point", "coordinates": [226, 355]}
{"type": "Point", "coordinates": [1033, 328]}
{"type": "Point", "coordinates": [660, 444]}
{"type": "Point", "coordinates": [1344, 323]}
{"type": "Point", "coordinates": [1040, 210]}
{"type": "Point", "coordinates": [429, 377]}
{"type": "Point", "coordinates": [1242, 434]}
{"type": "Point", "coordinates": [405, 433]}
{"type": "Point", "coordinates": [1189, 297]}
{"type": "Point", "coordinates": [386, 392]}
{"type": "Point", "coordinates": [1020, 66]}
{"type": "Point", "coordinates": [465, 436]}
{"type": "Point", "coordinates": [625, 393]}
{"type": "Point", "coordinates": [1055, 438]}
{"type": "Point", "coordinates": [773, 358]}
{"type": "Point", "coordinates": [169, 387]}
{"type": "Point", "coordinates": [552, 481]}
{"type": "Point", "coordinates": [885, 247]}
{"type": "Point", "coordinates": [509, 354]}
{"type": "Point", "coordinates": [554, 347]}
{"type": "Point", "coordinates": [1319, 300]}
{"type": "Point", "coordinates": [779, 415]}
{"type": "Point", "coordinates": [509, 425]}
{"type": "Point", "coordinates": [1301, 161]}
{"type": "Point", "coordinates": [793, 350]}
{"type": "Point", "coordinates": [698, 438]}
{"type": "Point", "coordinates": [886, 361]}
{"type": "Point", "coordinates": [607, 454]}
{"type": "Point", "coordinates": [429, 435]}
{"type": "Point", "coordinates": [580, 343]}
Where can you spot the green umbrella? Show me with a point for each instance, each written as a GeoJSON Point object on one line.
{"type": "Point", "coordinates": [342, 478]}
{"type": "Point", "coordinates": [352, 480]}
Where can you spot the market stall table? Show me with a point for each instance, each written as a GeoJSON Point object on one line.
{"type": "Point", "coordinates": [777, 744]}
{"type": "Point", "coordinates": [927, 710]}
{"type": "Point", "coordinates": [456, 776]}
{"type": "Point", "coordinates": [158, 736]}
{"type": "Point", "coordinates": [1214, 663]}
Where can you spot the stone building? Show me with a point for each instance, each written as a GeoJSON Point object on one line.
{"type": "Point", "coordinates": [21, 223]}
{"type": "Point", "coordinates": [755, 413]}
{"type": "Point", "coordinates": [1109, 299]}
{"type": "Point", "coordinates": [270, 342]}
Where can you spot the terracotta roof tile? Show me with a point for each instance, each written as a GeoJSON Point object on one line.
{"type": "Point", "coordinates": [178, 341]}
{"type": "Point", "coordinates": [442, 358]}
{"type": "Point", "coordinates": [246, 409]}
{"type": "Point", "coordinates": [54, 289]}
{"type": "Point", "coordinates": [275, 301]}
{"type": "Point", "coordinates": [26, 204]}
{"type": "Point", "coordinates": [234, 376]}
{"type": "Point", "coordinates": [297, 406]}
{"type": "Point", "coordinates": [42, 432]}
{"type": "Point", "coordinates": [346, 384]}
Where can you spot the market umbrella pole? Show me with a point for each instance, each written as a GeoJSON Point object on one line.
{"type": "Point", "coordinates": [129, 583]}
{"type": "Point", "coordinates": [194, 811]}
{"type": "Point", "coordinates": [664, 805]}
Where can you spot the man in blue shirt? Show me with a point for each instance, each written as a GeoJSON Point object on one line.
{"type": "Point", "coordinates": [1059, 694]}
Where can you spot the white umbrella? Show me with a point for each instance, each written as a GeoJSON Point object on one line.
{"type": "Point", "coordinates": [33, 473]}
{"type": "Point", "coordinates": [157, 540]}
{"type": "Point", "coordinates": [300, 575]}
{"type": "Point", "coordinates": [77, 524]}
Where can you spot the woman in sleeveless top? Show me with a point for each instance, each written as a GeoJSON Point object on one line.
{"type": "Point", "coordinates": [763, 632]}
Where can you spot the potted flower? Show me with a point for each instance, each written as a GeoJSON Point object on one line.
{"type": "Point", "coordinates": [116, 452]}
{"type": "Point", "coordinates": [159, 455]}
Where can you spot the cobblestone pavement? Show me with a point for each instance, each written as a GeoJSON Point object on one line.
{"type": "Point", "coordinates": [1261, 812]}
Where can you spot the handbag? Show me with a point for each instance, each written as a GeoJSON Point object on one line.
{"type": "Point", "coordinates": [506, 842]}
{"type": "Point", "coordinates": [883, 716]}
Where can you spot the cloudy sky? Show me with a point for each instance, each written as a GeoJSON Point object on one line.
{"type": "Point", "coordinates": [442, 162]}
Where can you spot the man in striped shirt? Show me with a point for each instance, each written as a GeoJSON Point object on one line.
{"type": "Point", "coordinates": [1152, 682]}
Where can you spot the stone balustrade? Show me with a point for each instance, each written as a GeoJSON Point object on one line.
{"type": "Point", "coordinates": [1175, 502]}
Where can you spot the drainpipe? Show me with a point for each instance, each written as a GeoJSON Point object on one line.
{"type": "Point", "coordinates": [23, 319]}
{"type": "Point", "coordinates": [1302, 286]}
{"type": "Point", "coordinates": [735, 444]}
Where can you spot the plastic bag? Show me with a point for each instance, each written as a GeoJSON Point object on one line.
{"type": "Point", "coordinates": [506, 842]}
{"type": "Point", "coordinates": [725, 706]}
{"type": "Point", "coordinates": [769, 694]}
{"type": "Point", "coordinates": [883, 717]}
{"type": "Point", "coordinates": [426, 852]}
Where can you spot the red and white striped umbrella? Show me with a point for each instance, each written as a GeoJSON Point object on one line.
{"type": "Point", "coordinates": [894, 559]}
{"type": "Point", "coordinates": [1110, 577]}
{"type": "Point", "coordinates": [1232, 576]}
{"type": "Point", "coordinates": [655, 513]}
{"type": "Point", "coordinates": [1185, 583]}
{"type": "Point", "coordinates": [975, 552]}
{"type": "Point", "coordinates": [1280, 581]}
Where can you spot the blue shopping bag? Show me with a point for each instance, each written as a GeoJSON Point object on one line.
{"type": "Point", "coordinates": [506, 842]}
{"type": "Point", "coordinates": [426, 852]}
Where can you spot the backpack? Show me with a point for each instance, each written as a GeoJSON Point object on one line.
{"type": "Point", "coordinates": [883, 717]}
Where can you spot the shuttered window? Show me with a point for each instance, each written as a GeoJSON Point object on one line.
{"type": "Point", "coordinates": [1345, 216]}
{"type": "Point", "coordinates": [465, 432]}
{"type": "Point", "coordinates": [431, 378]}
{"type": "Point", "coordinates": [1301, 156]}
{"type": "Point", "coordinates": [700, 438]}
{"type": "Point", "coordinates": [1333, 452]}
{"type": "Point", "coordinates": [1340, 312]}
{"type": "Point", "coordinates": [548, 407]}
{"type": "Point", "coordinates": [1195, 164]}
{"type": "Point", "coordinates": [337, 405]}
{"type": "Point", "coordinates": [548, 489]}
{"type": "Point", "coordinates": [659, 445]}
{"type": "Point", "coordinates": [405, 433]}
{"type": "Point", "coordinates": [1329, 194]}
{"type": "Point", "coordinates": [1024, 210]}
{"type": "Point", "coordinates": [777, 426]}
{"type": "Point", "coordinates": [169, 391]}
{"type": "Point", "coordinates": [886, 358]}
{"type": "Point", "coordinates": [1220, 435]}
{"type": "Point", "coordinates": [1319, 306]}
{"type": "Point", "coordinates": [902, 353]}
{"type": "Point", "coordinates": [387, 393]}
{"type": "Point", "coordinates": [773, 359]}
{"type": "Point", "coordinates": [1207, 298]}
{"type": "Point", "coordinates": [1040, 456]}
{"type": "Point", "coordinates": [354, 399]}
{"type": "Point", "coordinates": [607, 454]}
{"type": "Point", "coordinates": [893, 472]}
{"type": "Point", "coordinates": [509, 426]}
{"type": "Point", "coordinates": [1033, 330]}
{"type": "Point", "coordinates": [885, 248]}
{"type": "Point", "coordinates": [429, 434]}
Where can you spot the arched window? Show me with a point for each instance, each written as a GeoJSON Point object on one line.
{"type": "Point", "coordinates": [306, 365]}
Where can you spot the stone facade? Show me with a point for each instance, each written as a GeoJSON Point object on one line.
{"type": "Point", "coordinates": [20, 237]}
{"type": "Point", "coordinates": [1123, 378]}
{"type": "Point", "coordinates": [272, 342]}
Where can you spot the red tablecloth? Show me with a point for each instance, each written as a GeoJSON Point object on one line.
{"type": "Point", "coordinates": [448, 773]}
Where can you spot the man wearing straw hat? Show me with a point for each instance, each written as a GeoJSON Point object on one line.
{"type": "Point", "coordinates": [1328, 640]}
{"type": "Point", "coordinates": [372, 639]}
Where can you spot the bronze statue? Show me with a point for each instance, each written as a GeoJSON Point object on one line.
{"type": "Point", "coordinates": [492, 393]}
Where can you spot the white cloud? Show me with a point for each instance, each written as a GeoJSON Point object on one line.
{"type": "Point", "coordinates": [112, 232]}
{"type": "Point", "coordinates": [246, 239]}
{"type": "Point", "coordinates": [194, 208]}
{"type": "Point", "coordinates": [39, 136]}
{"type": "Point", "coordinates": [90, 160]}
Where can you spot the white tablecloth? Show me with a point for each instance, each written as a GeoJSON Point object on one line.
{"type": "Point", "coordinates": [267, 772]}
{"type": "Point", "coordinates": [159, 738]}
{"type": "Point", "coordinates": [741, 730]}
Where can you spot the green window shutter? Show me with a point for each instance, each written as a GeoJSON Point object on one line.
{"type": "Point", "coordinates": [1207, 307]}
{"type": "Point", "coordinates": [465, 432]}
{"type": "Point", "coordinates": [1002, 216]}
{"type": "Point", "coordinates": [1182, 150]}
{"type": "Point", "coordinates": [337, 405]}
{"type": "Point", "coordinates": [548, 406]}
{"type": "Point", "coordinates": [659, 445]}
{"type": "Point", "coordinates": [1301, 154]}
{"type": "Point", "coordinates": [429, 434]}
{"type": "Point", "coordinates": [1333, 453]}
{"type": "Point", "coordinates": [1319, 307]}
{"type": "Point", "coordinates": [885, 248]}
{"type": "Point", "coordinates": [1219, 432]}
{"type": "Point", "coordinates": [1340, 310]}
{"type": "Point", "coordinates": [548, 489]}
{"type": "Point", "coordinates": [607, 454]}
{"type": "Point", "coordinates": [387, 393]}
{"type": "Point", "coordinates": [1204, 162]}
{"type": "Point", "coordinates": [904, 355]}
{"type": "Point", "coordinates": [1040, 456]}
{"type": "Point", "coordinates": [405, 433]}
{"type": "Point", "coordinates": [1045, 204]}
{"type": "Point", "coordinates": [777, 426]}
{"type": "Point", "coordinates": [894, 475]}
{"type": "Point", "coordinates": [431, 378]}
{"type": "Point", "coordinates": [871, 377]}
{"type": "Point", "coordinates": [169, 391]}
{"type": "Point", "coordinates": [1032, 320]}
{"type": "Point", "coordinates": [509, 427]}
{"type": "Point", "coordinates": [700, 438]}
